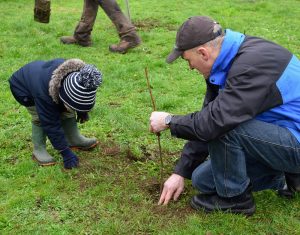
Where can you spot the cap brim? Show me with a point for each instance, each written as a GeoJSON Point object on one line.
{"type": "Point", "coordinates": [173, 55]}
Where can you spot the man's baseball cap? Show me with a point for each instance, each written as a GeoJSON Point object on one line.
{"type": "Point", "coordinates": [197, 30]}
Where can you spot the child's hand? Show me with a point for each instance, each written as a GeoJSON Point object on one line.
{"type": "Point", "coordinates": [70, 159]}
{"type": "Point", "coordinates": [82, 117]}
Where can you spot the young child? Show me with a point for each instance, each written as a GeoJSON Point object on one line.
{"type": "Point", "coordinates": [54, 92]}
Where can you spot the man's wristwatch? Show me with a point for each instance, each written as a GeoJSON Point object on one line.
{"type": "Point", "coordinates": [168, 120]}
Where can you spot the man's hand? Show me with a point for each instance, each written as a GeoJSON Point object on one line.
{"type": "Point", "coordinates": [173, 187]}
{"type": "Point", "coordinates": [157, 121]}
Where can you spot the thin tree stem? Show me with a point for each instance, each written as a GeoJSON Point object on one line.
{"type": "Point", "coordinates": [157, 134]}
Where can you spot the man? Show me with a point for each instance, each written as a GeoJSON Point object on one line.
{"type": "Point", "coordinates": [126, 31]}
{"type": "Point", "coordinates": [249, 124]}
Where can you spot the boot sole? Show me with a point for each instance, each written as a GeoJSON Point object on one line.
{"type": "Point", "coordinates": [125, 51]}
{"type": "Point", "coordinates": [76, 43]}
{"type": "Point", "coordinates": [247, 212]}
{"type": "Point", "coordinates": [84, 148]}
{"type": "Point", "coordinates": [41, 163]}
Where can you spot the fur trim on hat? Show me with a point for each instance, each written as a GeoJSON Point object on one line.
{"type": "Point", "coordinates": [67, 67]}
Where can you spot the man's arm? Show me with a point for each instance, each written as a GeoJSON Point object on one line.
{"type": "Point", "coordinates": [193, 154]}
{"type": "Point", "coordinates": [247, 93]}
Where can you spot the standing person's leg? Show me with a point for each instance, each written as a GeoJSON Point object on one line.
{"type": "Point", "coordinates": [82, 33]}
{"type": "Point", "coordinates": [271, 145]}
{"type": "Point", "coordinates": [126, 30]}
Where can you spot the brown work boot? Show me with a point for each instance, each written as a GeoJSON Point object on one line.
{"type": "Point", "coordinates": [125, 44]}
{"type": "Point", "coordinates": [73, 40]}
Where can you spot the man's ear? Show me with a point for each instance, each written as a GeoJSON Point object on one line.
{"type": "Point", "coordinates": [203, 52]}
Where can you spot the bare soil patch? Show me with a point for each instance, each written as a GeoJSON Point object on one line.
{"type": "Point", "coordinates": [150, 23]}
{"type": "Point", "coordinates": [117, 169]}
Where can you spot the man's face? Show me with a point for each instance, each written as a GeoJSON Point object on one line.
{"type": "Point", "coordinates": [198, 59]}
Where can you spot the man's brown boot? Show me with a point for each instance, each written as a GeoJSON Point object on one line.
{"type": "Point", "coordinates": [73, 40]}
{"type": "Point", "coordinates": [125, 44]}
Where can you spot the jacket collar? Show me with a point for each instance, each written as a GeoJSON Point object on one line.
{"type": "Point", "coordinates": [60, 73]}
{"type": "Point", "coordinates": [230, 46]}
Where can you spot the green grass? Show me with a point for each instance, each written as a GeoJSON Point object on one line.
{"type": "Point", "coordinates": [116, 188]}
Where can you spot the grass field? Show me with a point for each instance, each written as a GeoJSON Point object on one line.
{"type": "Point", "coordinates": [116, 188]}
